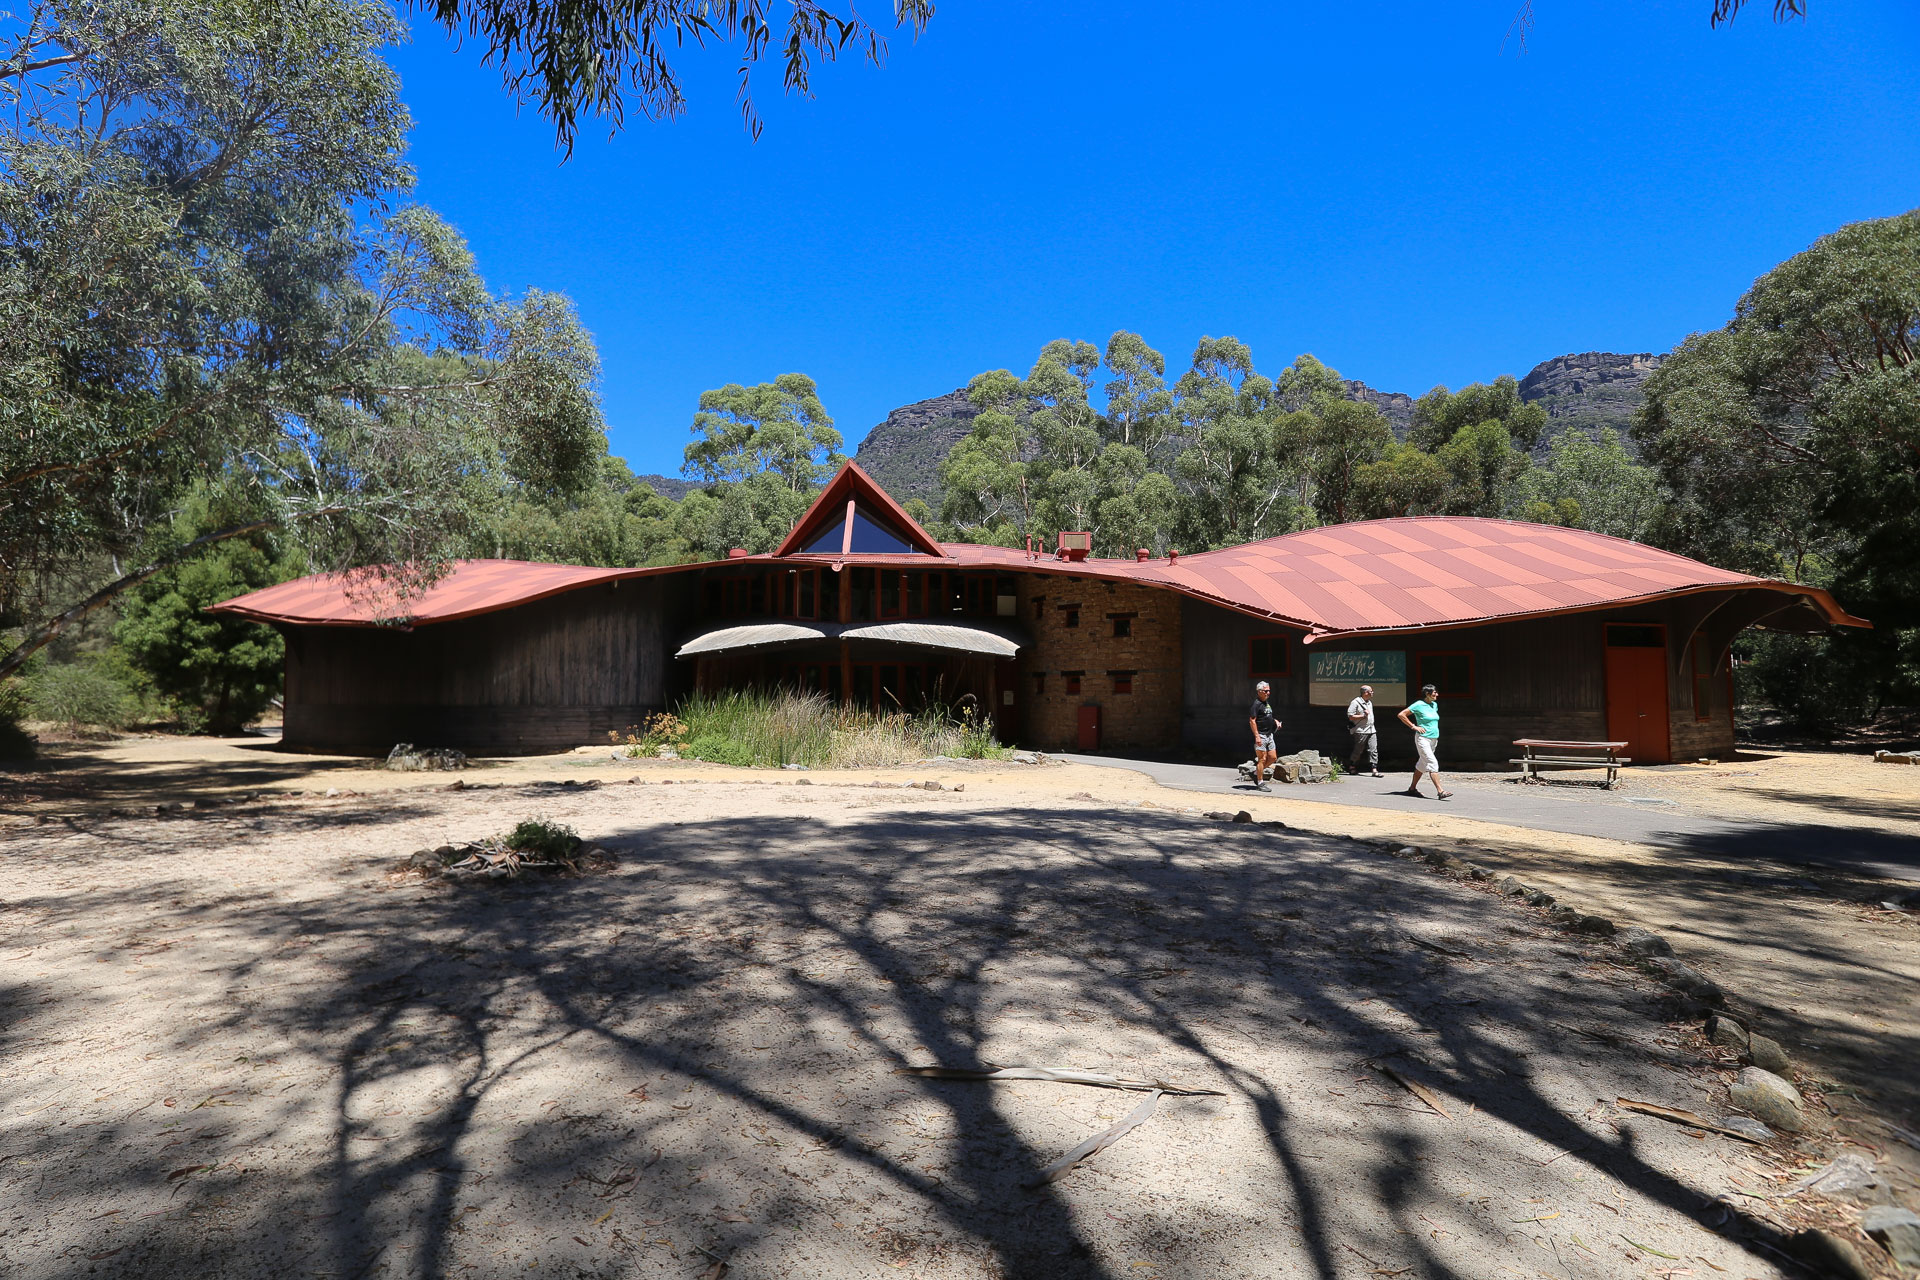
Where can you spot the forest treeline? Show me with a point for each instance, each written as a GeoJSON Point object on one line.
{"type": "Point", "coordinates": [234, 348]}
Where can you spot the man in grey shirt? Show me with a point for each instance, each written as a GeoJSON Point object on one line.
{"type": "Point", "coordinates": [1366, 742]}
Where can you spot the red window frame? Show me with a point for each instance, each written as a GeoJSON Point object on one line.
{"type": "Point", "coordinates": [1420, 680]}
{"type": "Point", "coordinates": [1073, 680]}
{"type": "Point", "coordinates": [1286, 655]}
{"type": "Point", "coordinates": [1122, 681]}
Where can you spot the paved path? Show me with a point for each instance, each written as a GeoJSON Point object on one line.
{"type": "Point", "coordinates": [1583, 812]}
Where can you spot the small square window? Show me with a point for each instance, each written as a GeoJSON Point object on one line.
{"type": "Point", "coordinates": [1122, 628]}
{"type": "Point", "coordinates": [1039, 683]}
{"type": "Point", "coordinates": [1268, 656]}
{"type": "Point", "coordinates": [1450, 673]}
{"type": "Point", "coordinates": [1039, 607]}
{"type": "Point", "coordinates": [1073, 618]}
{"type": "Point", "coordinates": [1122, 681]}
{"type": "Point", "coordinates": [1073, 681]}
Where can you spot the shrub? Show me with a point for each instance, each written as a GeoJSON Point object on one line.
{"type": "Point", "coordinates": [543, 838]}
{"type": "Point", "coordinates": [718, 750]}
{"type": "Point", "coordinates": [80, 693]}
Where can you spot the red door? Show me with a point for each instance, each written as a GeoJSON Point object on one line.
{"type": "Point", "coordinates": [1637, 690]}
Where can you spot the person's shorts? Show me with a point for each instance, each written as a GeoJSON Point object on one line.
{"type": "Point", "coordinates": [1424, 758]}
{"type": "Point", "coordinates": [1263, 742]}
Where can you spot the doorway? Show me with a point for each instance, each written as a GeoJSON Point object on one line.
{"type": "Point", "coordinates": [1636, 669]}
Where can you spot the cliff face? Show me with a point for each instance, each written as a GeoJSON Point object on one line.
{"type": "Point", "coordinates": [1395, 406]}
{"type": "Point", "coordinates": [1589, 391]}
{"type": "Point", "coordinates": [904, 452]}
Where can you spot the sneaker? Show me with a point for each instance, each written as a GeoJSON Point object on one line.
{"type": "Point", "coordinates": [1261, 786]}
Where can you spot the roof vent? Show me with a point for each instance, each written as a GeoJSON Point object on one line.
{"type": "Point", "coordinates": [1173, 557]}
{"type": "Point", "coordinates": [737, 553]}
{"type": "Point", "coordinates": [1075, 546]}
{"type": "Point", "coordinates": [1140, 553]}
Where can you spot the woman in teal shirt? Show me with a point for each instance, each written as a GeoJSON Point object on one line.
{"type": "Point", "coordinates": [1423, 717]}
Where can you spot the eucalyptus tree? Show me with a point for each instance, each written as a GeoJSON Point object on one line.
{"type": "Point", "coordinates": [764, 451]}
{"type": "Point", "coordinates": [1139, 404]}
{"type": "Point", "coordinates": [599, 56]}
{"type": "Point", "coordinates": [210, 283]}
{"type": "Point", "coordinates": [984, 478]}
{"type": "Point", "coordinates": [1237, 474]}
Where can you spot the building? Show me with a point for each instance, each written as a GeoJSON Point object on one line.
{"type": "Point", "coordinates": [1527, 630]}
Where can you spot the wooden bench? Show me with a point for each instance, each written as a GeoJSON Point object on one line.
{"type": "Point", "coordinates": [1600, 755]}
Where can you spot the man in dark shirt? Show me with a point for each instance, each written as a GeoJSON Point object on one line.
{"type": "Point", "coordinates": [1265, 724]}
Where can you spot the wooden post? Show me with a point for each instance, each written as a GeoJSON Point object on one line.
{"type": "Point", "coordinates": [846, 672]}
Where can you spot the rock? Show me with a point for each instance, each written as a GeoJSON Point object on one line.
{"type": "Point", "coordinates": [1593, 926]}
{"type": "Point", "coordinates": [408, 758]}
{"type": "Point", "coordinates": [458, 784]}
{"type": "Point", "coordinates": [1687, 980]}
{"type": "Point", "coordinates": [1768, 1098]}
{"type": "Point", "coordinates": [1410, 851]}
{"type": "Point", "coordinates": [1243, 816]}
{"type": "Point", "coordinates": [332, 792]}
{"type": "Point", "coordinates": [1025, 757]}
{"type": "Point", "coordinates": [1896, 1230]}
{"type": "Point", "coordinates": [1539, 898]}
{"type": "Point", "coordinates": [803, 782]}
{"type": "Point", "coordinates": [959, 786]}
{"type": "Point", "coordinates": [1477, 872]}
{"type": "Point", "coordinates": [1563, 915]}
{"type": "Point", "coordinates": [1220, 815]}
{"type": "Point", "coordinates": [1846, 1177]}
{"type": "Point", "coordinates": [1829, 1257]}
{"type": "Point", "coordinates": [1765, 1052]}
{"type": "Point", "coordinates": [1645, 942]}
{"type": "Point", "coordinates": [929, 785]}
{"type": "Point", "coordinates": [1437, 857]}
{"type": "Point", "coordinates": [1509, 885]}
{"type": "Point", "coordinates": [794, 768]}
{"type": "Point", "coordinates": [1897, 757]}
{"type": "Point", "coordinates": [1749, 1126]}
{"type": "Point", "coordinates": [1727, 1033]}
{"type": "Point", "coordinates": [426, 860]}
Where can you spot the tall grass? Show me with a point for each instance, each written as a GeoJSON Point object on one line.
{"type": "Point", "coordinates": [750, 727]}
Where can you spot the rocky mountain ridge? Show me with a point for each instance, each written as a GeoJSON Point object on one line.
{"type": "Point", "coordinates": [1584, 391]}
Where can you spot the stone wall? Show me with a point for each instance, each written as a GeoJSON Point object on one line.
{"type": "Point", "coordinates": [1145, 719]}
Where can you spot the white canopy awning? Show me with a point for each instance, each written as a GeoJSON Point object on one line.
{"type": "Point", "coordinates": [957, 637]}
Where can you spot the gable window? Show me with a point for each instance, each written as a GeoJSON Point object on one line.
{"type": "Point", "coordinates": [1451, 672]}
{"type": "Point", "coordinates": [1269, 656]}
{"type": "Point", "coordinates": [867, 534]}
{"type": "Point", "coordinates": [1122, 681]}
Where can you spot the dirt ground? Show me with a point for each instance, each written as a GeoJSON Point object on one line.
{"type": "Point", "coordinates": [237, 1042]}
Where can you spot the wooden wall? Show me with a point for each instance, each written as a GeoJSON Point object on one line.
{"type": "Point", "coordinates": [1540, 679]}
{"type": "Point", "coordinates": [546, 676]}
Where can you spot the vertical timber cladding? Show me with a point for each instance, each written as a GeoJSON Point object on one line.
{"type": "Point", "coordinates": [1542, 678]}
{"type": "Point", "coordinates": [548, 675]}
{"type": "Point", "coordinates": [1123, 640]}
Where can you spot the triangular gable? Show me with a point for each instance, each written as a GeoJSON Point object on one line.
{"type": "Point", "coordinates": [829, 512]}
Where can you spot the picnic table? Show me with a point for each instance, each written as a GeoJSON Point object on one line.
{"type": "Point", "coordinates": [1596, 755]}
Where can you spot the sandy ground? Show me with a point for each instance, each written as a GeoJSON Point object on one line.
{"type": "Point", "coordinates": [237, 1043]}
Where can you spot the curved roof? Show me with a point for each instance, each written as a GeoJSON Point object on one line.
{"type": "Point", "coordinates": [1369, 577]}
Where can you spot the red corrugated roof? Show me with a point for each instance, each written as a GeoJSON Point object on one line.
{"type": "Point", "coordinates": [1374, 576]}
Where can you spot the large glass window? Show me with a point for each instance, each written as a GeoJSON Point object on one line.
{"type": "Point", "coordinates": [869, 535]}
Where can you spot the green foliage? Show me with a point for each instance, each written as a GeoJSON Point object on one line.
{"type": "Point", "coordinates": [1595, 484]}
{"type": "Point", "coordinates": [218, 672]}
{"type": "Point", "coordinates": [80, 694]}
{"type": "Point", "coordinates": [767, 729]}
{"type": "Point", "coordinates": [588, 55]}
{"type": "Point", "coordinates": [1788, 443]}
{"type": "Point", "coordinates": [543, 838]}
{"type": "Point", "coordinates": [210, 283]}
{"type": "Point", "coordinates": [1440, 415]}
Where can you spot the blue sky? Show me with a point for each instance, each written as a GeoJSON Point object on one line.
{"type": "Point", "coordinates": [1382, 185]}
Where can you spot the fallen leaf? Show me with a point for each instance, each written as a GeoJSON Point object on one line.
{"type": "Point", "coordinates": [1655, 1252]}
{"type": "Point", "coordinates": [95, 1257]}
{"type": "Point", "coordinates": [603, 1217]}
{"type": "Point", "coordinates": [1543, 1218]}
{"type": "Point", "coordinates": [192, 1168]}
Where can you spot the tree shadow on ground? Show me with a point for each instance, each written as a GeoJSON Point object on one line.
{"type": "Point", "coordinates": [772, 972]}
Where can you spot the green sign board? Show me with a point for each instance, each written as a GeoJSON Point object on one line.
{"type": "Point", "coordinates": [1334, 677]}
